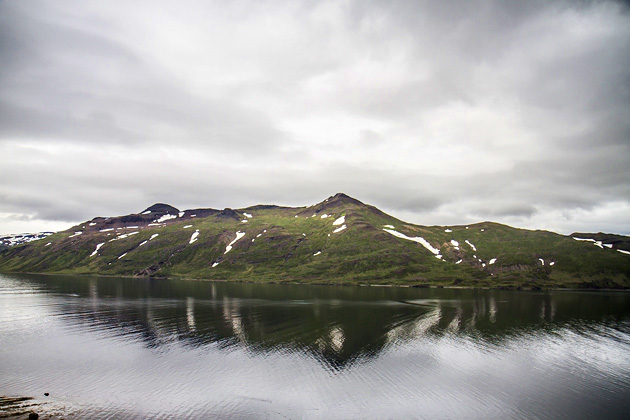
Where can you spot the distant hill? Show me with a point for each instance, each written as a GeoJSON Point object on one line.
{"type": "Point", "coordinates": [338, 241]}
{"type": "Point", "coordinates": [608, 240]}
{"type": "Point", "coordinates": [21, 238]}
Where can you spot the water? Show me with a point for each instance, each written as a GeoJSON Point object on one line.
{"type": "Point", "coordinates": [137, 348]}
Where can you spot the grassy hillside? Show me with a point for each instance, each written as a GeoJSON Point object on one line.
{"type": "Point", "coordinates": [339, 240]}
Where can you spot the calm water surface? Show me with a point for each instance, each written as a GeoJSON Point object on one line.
{"type": "Point", "coordinates": [135, 348]}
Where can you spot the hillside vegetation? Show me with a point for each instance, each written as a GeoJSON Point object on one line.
{"type": "Point", "coordinates": [339, 240]}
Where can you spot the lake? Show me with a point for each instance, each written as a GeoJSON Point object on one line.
{"type": "Point", "coordinates": [139, 348]}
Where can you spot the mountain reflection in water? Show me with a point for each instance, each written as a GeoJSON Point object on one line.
{"type": "Point", "coordinates": [138, 348]}
{"type": "Point", "coordinates": [337, 325]}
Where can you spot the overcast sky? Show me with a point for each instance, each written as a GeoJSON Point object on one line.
{"type": "Point", "coordinates": [437, 112]}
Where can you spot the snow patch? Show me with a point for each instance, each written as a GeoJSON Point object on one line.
{"type": "Point", "coordinates": [142, 243]}
{"type": "Point", "coordinates": [92, 224]}
{"type": "Point", "coordinates": [447, 230]}
{"type": "Point", "coordinates": [122, 255]}
{"type": "Point", "coordinates": [317, 253]}
{"type": "Point", "coordinates": [459, 262]}
{"type": "Point", "coordinates": [75, 234]}
{"type": "Point", "coordinates": [48, 243]}
{"type": "Point", "coordinates": [340, 221]}
{"type": "Point", "coordinates": [187, 226]}
{"type": "Point", "coordinates": [193, 237]}
{"type": "Point", "coordinates": [249, 216]}
{"type": "Point", "coordinates": [215, 264]}
{"type": "Point", "coordinates": [339, 229]}
{"type": "Point", "coordinates": [325, 216]}
{"type": "Point", "coordinates": [542, 262]}
{"type": "Point", "coordinates": [259, 235]}
{"type": "Point", "coordinates": [584, 239]}
{"type": "Point", "coordinates": [389, 226]}
{"type": "Point", "coordinates": [97, 248]}
{"type": "Point", "coordinates": [181, 214]}
{"type": "Point", "coordinates": [123, 236]}
{"type": "Point", "coordinates": [146, 212]}
{"type": "Point", "coordinates": [492, 261]}
{"type": "Point", "coordinates": [155, 235]}
{"type": "Point", "coordinates": [609, 246]}
{"type": "Point", "coordinates": [244, 221]}
{"type": "Point", "coordinates": [623, 251]}
{"type": "Point", "coordinates": [454, 242]}
{"type": "Point", "coordinates": [165, 218]}
{"type": "Point", "coordinates": [471, 245]}
{"type": "Point", "coordinates": [418, 239]}
{"type": "Point", "coordinates": [239, 235]}
{"type": "Point", "coordinates": [552, 263]}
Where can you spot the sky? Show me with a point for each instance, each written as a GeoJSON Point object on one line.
{"type": "Point", "coordinates": [437, 112]}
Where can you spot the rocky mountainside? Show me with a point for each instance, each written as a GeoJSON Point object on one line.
{"type": "Point", "coordinates": [340, 240]}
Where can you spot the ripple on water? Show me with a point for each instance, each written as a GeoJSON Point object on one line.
{"type": "Point", "coordinates": [115, 349]}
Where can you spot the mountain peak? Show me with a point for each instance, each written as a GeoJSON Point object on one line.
{"type": "Point", "coordinates": [337, 202]}
{"type": "Point", "coordinates": [161, 208]}
{"type": "Point", "coordinates": [342, 198]}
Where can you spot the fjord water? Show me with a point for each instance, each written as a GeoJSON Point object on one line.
{"type": "Point", "coordinates": [138, 348]}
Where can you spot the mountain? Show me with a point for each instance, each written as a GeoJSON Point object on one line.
{"type": "Point", "coordinates": [338, 241]}
{"type": "Point", "coordinates": [21, 238]}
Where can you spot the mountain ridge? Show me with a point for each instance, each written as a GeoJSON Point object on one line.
{"type": "Point", "coordinates": [339, 240]}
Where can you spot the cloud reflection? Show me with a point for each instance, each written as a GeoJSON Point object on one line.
{"type": "Point", "coordinates": [337, 325]}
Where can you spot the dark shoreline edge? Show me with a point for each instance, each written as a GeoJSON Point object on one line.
{"type": "Point", "coordinates": [345, 284]}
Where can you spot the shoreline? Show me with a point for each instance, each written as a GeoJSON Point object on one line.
{"type": "Point", "coordinates": [297, 283]}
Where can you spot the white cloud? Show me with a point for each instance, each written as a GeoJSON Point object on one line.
{"type": "Point", "coordinates": [514, 111]}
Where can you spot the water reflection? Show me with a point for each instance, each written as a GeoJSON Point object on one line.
{"type": "Point", "coordinates": [336, 325]}
{"type": "Point", "coordinates": [131, 348]}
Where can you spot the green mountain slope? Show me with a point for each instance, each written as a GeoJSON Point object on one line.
{"type": "Point", "coordinates": [339, 240]}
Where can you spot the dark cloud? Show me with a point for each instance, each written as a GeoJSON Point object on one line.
{"type": "Point", "coordinates": [440, 112]}
{"type": "Point", "coordinates": [70, 83]}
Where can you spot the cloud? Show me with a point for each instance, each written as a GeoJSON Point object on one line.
{"type": "Point", "coordinates": [79, 83]}
{"type": "Point", "coordinates": [439, 112]}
